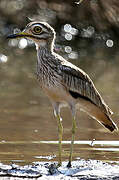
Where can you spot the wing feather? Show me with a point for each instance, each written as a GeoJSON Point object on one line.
{"type": "Point", "coordinates": [77, 81]}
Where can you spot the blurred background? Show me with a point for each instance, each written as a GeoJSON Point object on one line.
{"type": "Point", "coordinates": [88, 36]}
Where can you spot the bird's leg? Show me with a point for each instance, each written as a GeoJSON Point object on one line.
{"type": "Point", "coordinates": [60, 132]}
{"type": "Point", "coordinates": [72, 141]}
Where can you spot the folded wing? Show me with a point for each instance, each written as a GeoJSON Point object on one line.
{"type": "Point", "coordinates": [81, 87]}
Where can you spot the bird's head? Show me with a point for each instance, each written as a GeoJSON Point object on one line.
{"type": "Point", "coordinates": [40, 32]}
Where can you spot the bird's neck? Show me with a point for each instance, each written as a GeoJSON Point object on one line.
{"type": "Point", "coordinates": [44, 55]}
{"type": "Point", "coordinates": [45, 45]}
{"type": "Point", "coordinates": [43, 51]}
{"type": "Point", "coordinates": [45, 66]}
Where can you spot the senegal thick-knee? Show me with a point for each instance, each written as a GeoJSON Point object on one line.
{"type": "Point", "coordinates": [64, 83]}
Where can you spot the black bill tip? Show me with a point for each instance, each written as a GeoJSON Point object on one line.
{"type": "Point", "coordinates": [12, 36]}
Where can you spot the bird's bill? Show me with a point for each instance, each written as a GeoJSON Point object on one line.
{"type": "Point", "coordinates": [18, 35]}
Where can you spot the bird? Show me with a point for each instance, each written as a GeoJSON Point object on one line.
{"type": "Point", "coordinates": [64, 83]}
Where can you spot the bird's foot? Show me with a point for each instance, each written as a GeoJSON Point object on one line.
{"type": "Point", "coordinates": [69, 164]}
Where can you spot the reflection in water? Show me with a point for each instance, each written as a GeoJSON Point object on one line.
{"type": "Point", "coordinates": [22, 43]}
{"type": "Point", "coordinates": [109, 43]}
{"type": "Point", "coordinates": [3, 58]}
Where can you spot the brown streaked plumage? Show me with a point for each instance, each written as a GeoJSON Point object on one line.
{"type": "Point", "coordinates": [64, 83]}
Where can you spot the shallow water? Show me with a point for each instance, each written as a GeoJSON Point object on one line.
{"type": "Point", "coordinates": [27, 124]}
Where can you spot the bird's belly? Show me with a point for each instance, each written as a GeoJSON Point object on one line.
{"type": "Point", "coordinates": [58, 95]}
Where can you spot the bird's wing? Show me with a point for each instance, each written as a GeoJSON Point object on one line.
{"type": "Point", "coordinates": [80, 85]}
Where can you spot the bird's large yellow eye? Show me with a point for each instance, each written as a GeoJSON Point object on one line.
{"type": "Point", "coordinates": [37, 29]}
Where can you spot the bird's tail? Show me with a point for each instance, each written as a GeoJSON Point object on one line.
{"type": "Point", "coordinates": [99, 115]}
